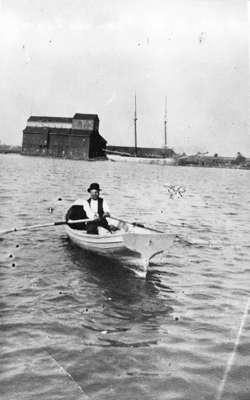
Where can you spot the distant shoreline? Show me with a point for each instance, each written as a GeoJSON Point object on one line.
{"type": "Point", "coordinates": [6, 149]}
{"type": "Point", "coordinates": [194, 161]}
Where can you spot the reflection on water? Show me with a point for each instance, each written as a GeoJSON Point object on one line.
{"type": "Point", "coordinates": [75, 326]}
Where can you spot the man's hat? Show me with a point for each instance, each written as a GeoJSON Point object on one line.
{"type": "Point", "coordinates": [94, 186]}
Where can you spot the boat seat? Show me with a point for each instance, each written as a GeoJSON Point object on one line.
{"type": "Point", "coordinates": [104, 231]}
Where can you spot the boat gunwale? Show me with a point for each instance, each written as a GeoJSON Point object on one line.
{"type": "Point", "coordinates": [81, 234]}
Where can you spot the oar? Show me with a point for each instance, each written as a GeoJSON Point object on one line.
{"type": "Point", "coordinates": [137, 224]}
{"type": "Point", "coordinates": [178, 237]}
{"type": "Point", "coordinates": [30, 227]}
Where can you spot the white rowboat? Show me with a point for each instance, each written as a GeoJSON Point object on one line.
{"type": "Point", "coordinates": [130, 245]}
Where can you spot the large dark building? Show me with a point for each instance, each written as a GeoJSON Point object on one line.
{"type": "Point", "coordinates": [76, 138]}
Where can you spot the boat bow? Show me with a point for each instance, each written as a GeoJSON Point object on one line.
{"type": "Point", "coordinates": [150, 244]}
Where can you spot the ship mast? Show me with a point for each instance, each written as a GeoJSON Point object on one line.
{"type": "Point", "coordinates": [165, 124]}
{"type": "Point", "coordinates": [135, 120]}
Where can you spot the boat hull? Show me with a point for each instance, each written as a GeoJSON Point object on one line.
{"type": "Point", "coordinates": [132, 248]}
{"type": "Point", "coordinates": [111, 247]}
{"type": "Point", "coordinates": [144, 160]}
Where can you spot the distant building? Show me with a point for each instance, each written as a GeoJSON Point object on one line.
{"type": "Point", "coordinates": [75, 138]}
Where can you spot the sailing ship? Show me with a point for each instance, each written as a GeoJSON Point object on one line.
{"type": "Point", "coordinates": [114, 155]}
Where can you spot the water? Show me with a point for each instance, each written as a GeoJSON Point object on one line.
{"type": "Point", "coordinates": [75, 327]}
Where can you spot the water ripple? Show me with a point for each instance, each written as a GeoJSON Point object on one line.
{"type": "Point", "coordinates": [73, 326]}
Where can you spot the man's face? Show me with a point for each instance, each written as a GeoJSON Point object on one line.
{"type": "Point", "coordinates": [94, 194]}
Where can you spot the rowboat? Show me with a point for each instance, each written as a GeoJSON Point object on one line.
{"type": "Point", "coordinates": [129, 245]}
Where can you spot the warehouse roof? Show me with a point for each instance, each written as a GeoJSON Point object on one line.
{"type": "Point", "coordinates": [36, 118]}
{"type": "Point", "coordinates": [85, 116]}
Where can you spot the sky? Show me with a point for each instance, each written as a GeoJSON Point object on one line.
{"type": "Point", "coordinates": [92, 56]}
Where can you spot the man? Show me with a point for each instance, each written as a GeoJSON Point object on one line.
{"type": "Point", "coordinates": [95, 208]}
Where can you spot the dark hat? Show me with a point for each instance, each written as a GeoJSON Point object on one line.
{"type": "Point", "coordinates": [94, 186]}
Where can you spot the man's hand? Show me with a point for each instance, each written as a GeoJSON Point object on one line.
{"type": "Point", "coordinates": [96, 217]}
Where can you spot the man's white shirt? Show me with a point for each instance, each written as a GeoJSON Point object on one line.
{"type": "Point", "coordinates": [92, 208]}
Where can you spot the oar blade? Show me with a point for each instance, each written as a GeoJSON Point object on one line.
{"type": "Point", "coordinates": [29, 228]}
